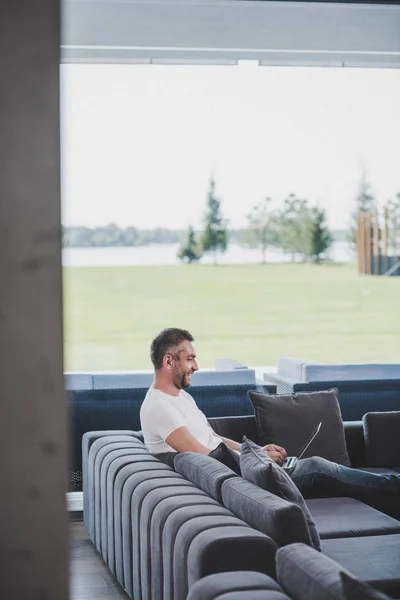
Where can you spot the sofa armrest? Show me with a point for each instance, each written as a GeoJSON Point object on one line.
{"type": "Point", "coordinates": [382, 439]}
{"type": "Point", "coordinates": [230, 548]}
{"type": "Point", "coordinates": [243, 584]}
{"type": "Point", "coordinates": [354, 434]}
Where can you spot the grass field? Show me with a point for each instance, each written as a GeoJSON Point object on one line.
{"type": "Point", "coordinates": [251, 313]}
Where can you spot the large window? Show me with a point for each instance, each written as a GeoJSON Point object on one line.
{"type": "Point", "coordinates": [145, 147]}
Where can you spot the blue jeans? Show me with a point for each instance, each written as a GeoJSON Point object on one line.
{"type": "Point", "coordinates": [317, 475]}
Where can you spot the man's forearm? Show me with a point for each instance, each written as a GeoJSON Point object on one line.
{"type": "Point", "coordinates": [232, 444]}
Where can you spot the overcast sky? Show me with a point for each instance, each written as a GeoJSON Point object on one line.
{"type": "Point", "coordinates": [139, 142]}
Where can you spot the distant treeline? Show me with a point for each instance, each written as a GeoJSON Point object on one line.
{"type": "Point", "coordinates": [112, 235]}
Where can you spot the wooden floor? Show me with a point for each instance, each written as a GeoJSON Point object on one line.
{"type": "Point", "coordinates": [90, 578]}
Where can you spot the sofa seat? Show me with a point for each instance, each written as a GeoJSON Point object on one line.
{"type": "Point", "coordinates": [346, 517]}
{"type": "Point", "coordinates": [375, 559]}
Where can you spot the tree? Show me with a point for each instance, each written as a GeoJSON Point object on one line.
{"type": "Point", "coordinates": [190, 250]}
{"type": "Point", "coordinates": [392, 211]}
{"type": "Point", "coordinates": [365, 203]}
{"type": "Point", "coordinates": [259, 227]}
{"type": "Point", "coordinates": [295, 227]}
{"type": "Point", "coordinates": [321, 237]}
{"type": "Point", "coordinates": [214, 237]}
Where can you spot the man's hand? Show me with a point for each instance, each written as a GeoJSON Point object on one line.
{"type": "Point", "coordinates": [277, 453]}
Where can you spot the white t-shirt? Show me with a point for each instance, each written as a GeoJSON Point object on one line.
{"type": "Point", "coordinates": [161, 414]}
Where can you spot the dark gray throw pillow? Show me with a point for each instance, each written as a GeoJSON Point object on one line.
{"type": "Point", "coordinates": [227, 457]}
{"type": "Point", "coordinates": [258, 468]}
{"type": "Point", "coordinates": [289, 420]}
{"type": "Point", "coordinates": [354, 589]}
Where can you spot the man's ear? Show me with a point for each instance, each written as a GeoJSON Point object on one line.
{"type": "Point", "coordinates": [167, 361]}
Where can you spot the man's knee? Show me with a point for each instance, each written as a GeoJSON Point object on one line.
{"type": "Point", "coordinates": [317, 463]}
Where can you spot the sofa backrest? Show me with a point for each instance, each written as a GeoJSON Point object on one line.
{"type": "Point", "coordinates": [237, 427]}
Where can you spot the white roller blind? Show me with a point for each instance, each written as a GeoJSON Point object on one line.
{"type": "Point", "coordinates": [224, 31]}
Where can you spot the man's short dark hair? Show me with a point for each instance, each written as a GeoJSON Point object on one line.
{"type": "Point", "coordinates": [168, 342]}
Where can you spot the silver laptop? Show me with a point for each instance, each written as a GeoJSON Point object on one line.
{"type": "Point", "coordinates": [291, 461]}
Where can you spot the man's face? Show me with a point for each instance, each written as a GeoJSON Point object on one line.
{"type": "Point", "coordinates": [184, 365]}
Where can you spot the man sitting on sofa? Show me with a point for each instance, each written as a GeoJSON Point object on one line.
{"type": "Point", "coordinates": [171, 422]}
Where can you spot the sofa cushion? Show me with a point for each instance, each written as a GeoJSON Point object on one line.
{"type": "Point", "coordinates": [289, 420]}
{"type": "Point", "coordinates": [307, 575]}
{"type": "Point", "coordinates": [205, 472]}
{"type": "Point", "coordinates": [258, 468]}
{"type": "Point", "coordinates": [283, 521]}
{"type": "Point", "coordinates": [373, 559]}
{"type": "Point", "coordinates": [354, 589]}
{"type": "Point", "coordinates": [382, 439]}
{"type": "Point", "coordinates": [346, 517]}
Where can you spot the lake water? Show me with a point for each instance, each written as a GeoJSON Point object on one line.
{"type": "Point", "coordinates": [166, 254]}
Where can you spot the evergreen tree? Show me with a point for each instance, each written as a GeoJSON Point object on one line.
{"type": "Point", "coordinates": [214, 237]}
{"type": "Point", "coordinates": [321, 237]}
{"type": "Point", "coordinates": [190, 250]}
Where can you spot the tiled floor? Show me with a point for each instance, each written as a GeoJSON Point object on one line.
{"type": "Point", "coordinates": [90, 578]}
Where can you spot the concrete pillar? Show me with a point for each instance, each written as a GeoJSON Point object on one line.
{"type": "Point", "coordinates": [33, 522]}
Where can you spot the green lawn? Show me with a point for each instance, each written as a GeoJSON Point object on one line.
{"type": "Point", "coordinates": [251, 313]}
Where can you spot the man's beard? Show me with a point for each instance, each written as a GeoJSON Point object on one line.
{"type": "Point", "coordinates": [181, 380]}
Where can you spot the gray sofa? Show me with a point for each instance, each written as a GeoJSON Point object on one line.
{"type": "Point", "coordinates": [160, 530]}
